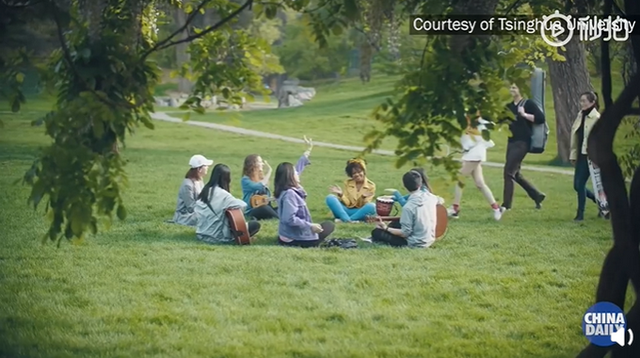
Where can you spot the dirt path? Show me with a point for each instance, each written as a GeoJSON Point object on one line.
{"type": "Point", "coordinates": [161, 116]}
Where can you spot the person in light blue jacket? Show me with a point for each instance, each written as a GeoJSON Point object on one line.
{"type": "Point", "coordinates": [254, 182]}
{"type": "Point", "coordinates": [214, 199]}
{"type": "Point", "coordinates": [402, 200]}
{"type": "Point", "coordinates": [296, 227]}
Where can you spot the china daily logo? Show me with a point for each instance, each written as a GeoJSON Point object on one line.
{"type": "Point", "coordinates": [604, 325]}
{"type": "Point", "coordinates": [590, 28]}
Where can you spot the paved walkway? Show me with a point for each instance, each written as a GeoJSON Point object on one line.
{"type": "Point", "coordinates": [162, 116]}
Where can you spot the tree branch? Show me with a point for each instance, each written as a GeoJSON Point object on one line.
{"type": "Point", "coordinates": [369, 40]}
{"type": "Point", "coordinates": [67, 58]}
{"type": "Point", "coordinates": [605, 61]}
{"type": "Point", "coordinates": [511, 7]}
{"type": "Point", "coordinates": [186, 24]}
{"type": "Point", "coordinates": [209, 29]}
{"type": "Point", "coordinates": [21, 4]}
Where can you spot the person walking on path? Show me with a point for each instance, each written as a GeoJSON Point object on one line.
{"type": "Point", "coordinates": [526, 113]}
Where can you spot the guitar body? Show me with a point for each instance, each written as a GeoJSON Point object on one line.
{"type": "Point", "coordinates": [259, 200]}
{"type": "Point", "coordinates": [442, 220]}
{"type": "Point", "coordinates": [238, 226]}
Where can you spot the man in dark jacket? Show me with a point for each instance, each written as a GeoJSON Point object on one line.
{"type": "Point", "coordinates": [526, 113]}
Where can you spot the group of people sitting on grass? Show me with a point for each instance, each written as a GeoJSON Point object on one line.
{"type": "Point", "coordinates": [203, 206]}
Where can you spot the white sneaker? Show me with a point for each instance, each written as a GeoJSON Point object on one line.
{"type": "Point", "coordinates": [497, 214]}
{"type": "Point", "coordinates": [452, 213]}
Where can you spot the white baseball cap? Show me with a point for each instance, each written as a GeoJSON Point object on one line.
{"type": "Point", "coordinates": [199, 160]}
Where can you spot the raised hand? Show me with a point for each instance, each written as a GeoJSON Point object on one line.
{"type": "Point", "coordinates": [309, 142]}
{"type": "Point", "coordinates": [334, 189]}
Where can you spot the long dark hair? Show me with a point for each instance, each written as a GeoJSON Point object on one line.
{"type": "Point", "coordinates": [285, 178]}
{"type": "Point", "coordinates": [592, 97]}
{"type": "Point", "coordinates": [220, 177]}
{"type": "Point", "coordinates": [423, 175]}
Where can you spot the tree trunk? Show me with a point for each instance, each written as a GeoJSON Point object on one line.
{"type": "Point", "coordinates": [393, 42]}
{"type": "Point", "coordinates": [182, 57]}
{"type": "Point", "coordinates": [568, 79]}
{"type": "Point", "coordinates": [623, 260]}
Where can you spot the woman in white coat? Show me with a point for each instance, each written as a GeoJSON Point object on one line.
{"type": "Point", "coordinates": [475, 152]}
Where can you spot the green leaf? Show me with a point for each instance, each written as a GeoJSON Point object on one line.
{"type": "Point", "coordinates": [20, 77]}
{"type": "Point", "coordinates": [98, 129]}
{"type": "Point", "coordinates": [226, 93]}
{"type": "Point", "coordinates": [270, 11]}
{"type": "Point", "coordinates": [85, 53]}
{"type": "Point", "coordinates": [147, 123]}
{"type": "Point", "coordinates": [121, 213]}
{"type": "Point", "coordinates": [186, 116]}
{"type": "Point", "coordinates": [336, 30]}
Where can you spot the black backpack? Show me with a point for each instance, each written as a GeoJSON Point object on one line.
{"type": "Point", "coordinates": [342, 243]}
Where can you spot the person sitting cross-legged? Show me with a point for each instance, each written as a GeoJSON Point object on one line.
{"type": "Point", "coordinates": [417, 227]}
{"type": "Point", "coordinates": [296, 227]}
{"type": "Point", "coordinates": [353, 203]}
{"type": "Point", "coordinates": [215, 198]}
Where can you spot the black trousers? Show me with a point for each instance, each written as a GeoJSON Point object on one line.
{"type": "Point", "coordinates": [384, 237]}
{"type": "Point", "coordinates": [580, 179]}
{"type": "Point", "coordinates": [516, 151]}
{"type": "Point", "coordinates": [264, 212]}
{"type": "Point", "coordinates": [254, 227]}
{"type": "Point", "coordinates": [327, 229]}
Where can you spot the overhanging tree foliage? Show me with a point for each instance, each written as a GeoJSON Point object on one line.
{"type": "Point", "coordinates": [622, 263]}
{"type": "Point", "coordinates": [103, 80]}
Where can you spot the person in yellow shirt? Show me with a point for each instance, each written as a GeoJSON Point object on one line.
{"type": "Point", "coordinates": [353, 202]}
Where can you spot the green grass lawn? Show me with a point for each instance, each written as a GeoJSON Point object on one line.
{"type": "Point", "coordinates": [514, 288]}
{"type": "Point", "coordinates": [340, 113]}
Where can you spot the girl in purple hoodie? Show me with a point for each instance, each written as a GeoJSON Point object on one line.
{"type": "Point", "coordinates": [295, 227]}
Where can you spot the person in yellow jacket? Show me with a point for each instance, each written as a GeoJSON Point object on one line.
{"type": "Point", "coordinates": [353, 202]}
{"type": "Point", "coordinates": [580, 130]}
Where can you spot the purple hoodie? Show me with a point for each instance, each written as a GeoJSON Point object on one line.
{"type": "Point", "coordinates": [295, 218]}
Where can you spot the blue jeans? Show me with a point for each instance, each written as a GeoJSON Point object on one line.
{"type": "Point", "coordinates": [340, 211]}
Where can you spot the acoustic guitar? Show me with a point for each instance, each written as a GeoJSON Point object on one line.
{"type": "Point", "coordinates": [442, 220]}
{"type": "Point", "coordinates": [238, 226]}
{"type": "Point", "coordinates": [260, 200]}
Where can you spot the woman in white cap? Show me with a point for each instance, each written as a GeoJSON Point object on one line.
{"type": "Point", "coordinates": [190, 189]}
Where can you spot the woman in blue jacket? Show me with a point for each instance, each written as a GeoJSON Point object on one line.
{"type": "Point", "coordinates": [400, 199]}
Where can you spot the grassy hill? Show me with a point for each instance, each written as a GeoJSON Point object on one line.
{"type": "Point", "coordinates": [340, 113]}
{"type": "Point", "coordinates": [144, 288]}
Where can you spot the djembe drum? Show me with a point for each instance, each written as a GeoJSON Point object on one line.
{"type": "Point", "coordinates": [384, 204]}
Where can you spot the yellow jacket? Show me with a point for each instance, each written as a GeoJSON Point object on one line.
{"type": "Point", "coordinates": [589, 122]}
{"type": "Point", "coordinates": [352, 198]}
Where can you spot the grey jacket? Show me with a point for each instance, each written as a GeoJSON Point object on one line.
{"type": "Point", "coordinates": [418, 219]}
{"type": "Point", "coordinates": [187, 197]}
{"type": "Point", "coordinates": [213, 226]}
